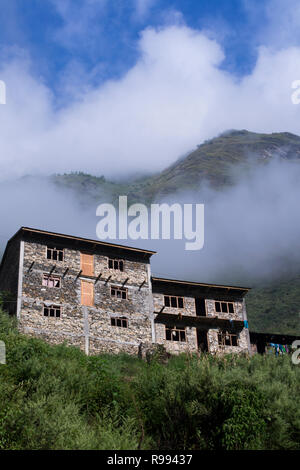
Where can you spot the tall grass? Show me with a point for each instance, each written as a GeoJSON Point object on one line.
{"type": "Point", "coordinates": [54, 397]}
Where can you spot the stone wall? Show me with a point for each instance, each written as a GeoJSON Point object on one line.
{"type": "Point", "coordinates": [191, 332]}
{"type": "Point", "coordinates": [189, 305]}
{"type": "Point", "coordinates": [212, 335]}
{"type": "Point", "coordinates": [215, 348]}
{"type": "Point", "coordinates": [90, 328]}
{"type": "Point", "coordinates": [9, 275]}
{"type": "Point", "coordinates": [211, 312]}
{"type": "Point", "coordinates": [176, 347]}
{"type": "Point", "coordinates": [79, 325]}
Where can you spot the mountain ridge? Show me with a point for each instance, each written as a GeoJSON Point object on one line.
{"type": "Point", "coordinates": [211, 163]}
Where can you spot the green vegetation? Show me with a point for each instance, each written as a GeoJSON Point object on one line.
{"type": "Point", "coordinates": [54, 397]}
{"type": "Point", "coordinates": [275, 307]}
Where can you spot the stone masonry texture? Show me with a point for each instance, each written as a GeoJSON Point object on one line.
{"type": "Point", "coordinates": [95, 328]}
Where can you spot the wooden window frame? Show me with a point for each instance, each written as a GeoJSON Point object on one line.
{"type": "Point", "coordinates": [117, 264]}
{"type": "Point", "coordinates": [222, 337]}
{"type": "Point", "coordinates": [57, 311]}
{"type": "Point", "coordinates": [122, 290]}
{"type": "Point", "coordinates": [227, 303]}
{"type": "Point", "coordinates": [181, 333]}
{"type": "Point", "coordinates": [177, 297]}
{"type": "Point", "coordinates": [84, 265]}
{"type": "Point", "coordinates": [123, 322]}
{"type": "Point", "coordinates": [58, 251]}
{"type": "Point", "coordinates": [84, 294]}
{"type": "Point", "coordinates": [46, 277]}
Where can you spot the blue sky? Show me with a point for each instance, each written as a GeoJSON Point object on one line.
{"type": "Point", "coordinates": [126, 87]}
{"type": "Point", "coordinates": [99, 37]}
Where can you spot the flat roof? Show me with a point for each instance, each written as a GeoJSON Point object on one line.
{"type": "Point", "coordinates": [86, 240]}
{"type": "Point", "coordinates": [200, 284]}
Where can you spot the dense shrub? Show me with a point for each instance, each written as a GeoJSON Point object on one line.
{"type": "Point", "coordinates": [54, 397]}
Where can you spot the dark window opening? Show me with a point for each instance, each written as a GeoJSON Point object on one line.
{"type": "Point", "coordinates": [118, 292]}
{"type": "Point", "coordinates": [202, 340]}
{"type": "Point", "coordinates": [116, 264]}
{"type": "Point", "coordinates": [227, 339]}
{"type": "Point", "coordinates": [121, 322]}
{"type": "Point", "coordinates": [52, 311]}
{"type": "Point", "coordinates": [175, 334]}
{"type": "Point", "coordinates": [200, 307]}
{"type": "Point", "coordinates": [55, 254]}
{"type": "Point", "coordinates": [224, 307]}
{"type": "Point", "coordinates": [172, 301]}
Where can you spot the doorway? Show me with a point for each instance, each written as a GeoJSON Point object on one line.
{"type": "Point", "coordinates": [202, 340]}
{"type": "Point", "coordinates": [200, 307]}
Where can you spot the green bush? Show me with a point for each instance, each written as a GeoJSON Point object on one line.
{"type": "Point", "coordinates": [55, 397]}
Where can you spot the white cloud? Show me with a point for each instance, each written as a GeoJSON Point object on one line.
{"type": "Point", "coordinates": [276, 22]}
{"type": "Point", "coordinates": [251, 230]}
{"type": "Point", "coordinates": [171, 100]}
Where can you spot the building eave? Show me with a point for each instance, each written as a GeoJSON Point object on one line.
{"type": "Point", "coordinates": [178, 282]}
{"type": "Point", "coordinates": [88, 241]}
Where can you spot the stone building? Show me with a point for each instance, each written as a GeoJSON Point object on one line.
{"type": "Point", "coordinates": [101, 297]}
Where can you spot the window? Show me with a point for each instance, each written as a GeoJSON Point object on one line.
{"type": "Point", "coordinates": [227, 339]}
{"type": "Point", "coordinates": [224, 307]}
{"type": "Point", "coordinates": [51, 281]}
{"type": "Point", "coordinates": [119, 292]}
{"type": "Point", "coordinates": [116, 264]}
{"type": "Point", "coordinates": [175, 334]}
{"type": "Point", "coordinates": [57, 254]}
{"type": "Point", "coordinates": [200, 307]}
{"type": "Point", "coordinates": [119, 321]}
{"type": "Point", "coordinates": [172, 301]}
{"type": "Point", "coordinates": [87, 264]}
{"type": "Point", "coordinates": [87, 293]}
{"type": "Point", "coordinates": [52, 311]}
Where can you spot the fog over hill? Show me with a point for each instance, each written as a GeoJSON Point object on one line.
{"type": "Point", "coordinates": [249, 183]}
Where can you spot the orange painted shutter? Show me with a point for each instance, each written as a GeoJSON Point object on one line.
{"type": "Point", "coordinates": [87, 293]}
{"type": "Point", "coordinates": [87, 264]}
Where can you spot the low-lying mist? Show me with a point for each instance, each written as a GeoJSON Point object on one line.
{"type": "Point", "coordinates": [251, 228]}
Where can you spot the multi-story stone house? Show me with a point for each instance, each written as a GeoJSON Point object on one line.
{"type": "Point", "coordinates": [101, 297]}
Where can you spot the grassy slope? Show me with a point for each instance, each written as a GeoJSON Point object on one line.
{"type": "Point", "coordinates": [55, 397]}
{"type": "Point", "coordinates": [272, 308]}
